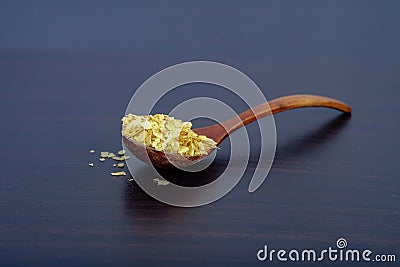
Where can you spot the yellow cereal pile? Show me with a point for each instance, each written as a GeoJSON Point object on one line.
{"type": "Point", "coordinates": [164, 133]}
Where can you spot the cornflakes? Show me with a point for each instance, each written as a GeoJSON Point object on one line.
{"type": "Point", "coordinates": [164, 133]}
{"type": "Point", "coordinates": [161, 181]}
{"type": "Point", "coordinates": [118, 173]}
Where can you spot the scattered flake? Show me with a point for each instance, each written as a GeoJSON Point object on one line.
{"type": "Point", "coordinates": [131, 180]}
{"type": "Point", "coordinates": [118, 174]}
{"type": "Point", "coordinates": [114, 165]}
{"type": "Point", "coordinates": [127, 157]}
{"type": "Point", "coordinates": [102, 159]}
{"type": "Point", "coordinates": [119, 158]}
{"type": "Point", "coordinates": [121, 152]}
{"type": "Point", "coordinates": [111, 155]}
{"type": "Point", "coordinates": [120, 165]}
{"type": "Point", "coordinates": [91, 151]}
{"type": "Point", "coordinates": [91, 164]}
{"type": "Point", "coordinates": [161, 181]}
{"type": "Point", "coordinates": [164, 133]}
{"type": "Point", "coordinates": [104, 154]}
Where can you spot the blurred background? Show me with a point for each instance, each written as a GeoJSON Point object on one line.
{"type": "Point", "coordinates": [179, 30]}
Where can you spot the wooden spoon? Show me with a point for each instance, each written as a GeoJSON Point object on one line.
{"type": "Point", "coordinates": [218, 132]}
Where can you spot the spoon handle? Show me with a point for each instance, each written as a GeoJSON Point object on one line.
{"type": "Point", "coordinates": [275, 106]}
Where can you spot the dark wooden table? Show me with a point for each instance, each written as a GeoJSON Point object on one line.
{"type": "Point", "coordinates": [333, 176]}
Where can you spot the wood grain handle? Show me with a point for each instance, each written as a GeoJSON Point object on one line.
{"type": "Point", "coordinates": [281, 104]}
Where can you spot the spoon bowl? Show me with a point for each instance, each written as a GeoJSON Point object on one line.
{"type": "Point", "coordinates": [218, 132]}
{"type": "Point", "coordinates": [159, 159]}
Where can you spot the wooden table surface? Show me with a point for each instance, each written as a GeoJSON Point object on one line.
{"type": "Point", "coordinates": [333, 176]}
